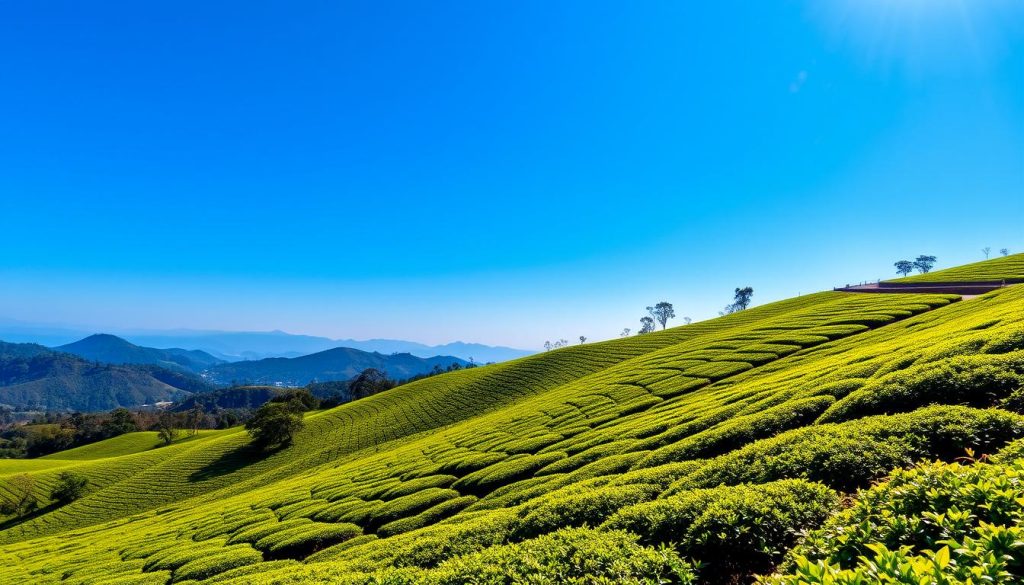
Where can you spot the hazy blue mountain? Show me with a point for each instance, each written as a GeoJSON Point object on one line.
{"type": "Point", "coordinates": [111, 349]}
{"type": "Point", "coordinates": [256, 345]}
{"type": "Point", "coordinates": [340, 363]}
{"type": "Point", "coordinates": [33, 377]}
{"type": "Point", "coordinates": [239, 345]}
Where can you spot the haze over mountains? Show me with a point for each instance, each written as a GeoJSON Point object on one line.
{"type": "Point", "coordinates": [103, 371]}
{"type": "Point", "coordinates": [239, 345]}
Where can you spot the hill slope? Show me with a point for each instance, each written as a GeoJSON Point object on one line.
{"type": "Point", "coordinates": [111, 349]}
{"type": "Point", "coordinates": [340, 363]}
{"type": "Point", "coordinates": [722, 440]}
{"type": "Point", "coordinates": [36, 378]}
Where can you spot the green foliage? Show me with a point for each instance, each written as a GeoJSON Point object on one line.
{"type": "Point", "coordinates": [70, 486]}
{"type": "Point", "coordinates": [735, 530]}
{"type": "Point", "coordinates": [274, 424]}
{"type": "Point", "coordinates": [849, 455]}
{"type": "Point", "coordinates": [475, 467]}
{"type": "Point", "coordinates": [937, 523]}
{"type": "Point", "coordinates": [206, 567]}
{"type": "Point", "coordinates": [570, 556]}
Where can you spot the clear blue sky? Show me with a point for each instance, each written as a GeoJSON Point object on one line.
{"type": "Point", "coordinates": [502, 172]}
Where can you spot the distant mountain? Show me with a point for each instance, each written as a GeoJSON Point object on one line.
{"type": "Point", "coordinates": [232, 346]}
{"type": "Point", "coordinates": [340, 363]}
{"type": "Point", "coordinates": [111, 349]}
{"type": "Point", "coordinates": [33, 377]}
{"type": "Point", "coordinates": [251, 345]}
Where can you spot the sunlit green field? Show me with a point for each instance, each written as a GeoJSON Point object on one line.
{"type": "Point", "coordinates": [996, 269]}
{"type": "Point", "coordinates": [696, 454]}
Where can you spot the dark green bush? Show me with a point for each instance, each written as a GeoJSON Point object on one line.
{"type": "Point", "coordinates": [586, 507]}
{"type": "Point", "coordinates": [734, 530]}
{"type": "Point", "coordinates": [849, 455]}
{"type": "Point", "coordinates": [572, 555]}
{"type": "Point", "coordinates": [936, 523]}
{"type": "Point", "coordinates": [975, 380]}
{"type": "Point", "coordinates": [70, 486]}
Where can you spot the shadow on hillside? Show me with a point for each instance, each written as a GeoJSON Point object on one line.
{"type": "Point", "coordinates": [11, 522]}
{"type": "Point", "coordinates": [231, 461]}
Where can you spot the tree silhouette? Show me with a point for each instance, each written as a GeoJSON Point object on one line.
{"type": "Point", "coordinates": [924, 264]}
{"type": "Point", "coordinates": [1004, 251]}
{"type": "Point", "coordinates": [646, 325]}
{"type": "Point", "coordinates": [662, 312]}
{"type": "Point", "coordinates": [582, 340]}
{"type": "Point", "coordinates": [986, 251]}
{"type": "Point", "coordinates": [625, 332]}
{"type": "Point", "coordinates": [904, 267]}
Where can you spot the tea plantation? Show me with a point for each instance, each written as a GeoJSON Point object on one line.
{"type": "Point", "coordinates": [820, 439]}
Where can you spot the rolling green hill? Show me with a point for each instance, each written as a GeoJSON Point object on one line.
{"type": "Point", "coordinates": [1009, 268]}
{"type": "Point", "coordinates": [696, 454]}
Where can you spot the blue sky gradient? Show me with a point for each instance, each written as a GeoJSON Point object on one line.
{"type": "Point", "coordinates": [494, 172]}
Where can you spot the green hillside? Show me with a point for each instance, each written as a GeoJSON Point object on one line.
{"type": "Point", "coordinates": [1005, 267]}
{"type": "Point", "coordinates": [695, 454]}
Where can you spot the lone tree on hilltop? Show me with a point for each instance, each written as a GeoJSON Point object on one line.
{"type": "Point", "coordinates": [583, 339]}
{"type": "Point", "coordinates": [904, 267]}
{"type": "Point", "coordinates": [986, 251]}
{"type": "Point", "coordinates": [741, 298]}
{"type": "Point", "coordinates": [646, 325]}
{"type": "Point", "coordinates": [687, 320]}
{"type": "Point", "coordinates": [547, 346]}
{"type": "Point", "coordinates": [1004, 251]}
{"type": "Point", "coordinates": [274, 424]}
{"type": "Point", "coordinates": [662, 312]}
{"type": "Point", "coordinates": [924, 264]}
{"type": "Point", "coordinates": [625, 332]}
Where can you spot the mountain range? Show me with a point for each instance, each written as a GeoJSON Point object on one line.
{"type": "Point", "coordinates": [239, 345]}
{"type": "Point", "coordinates": [33, 377]}
{"type": "Point", "coordinates": [103, 347]}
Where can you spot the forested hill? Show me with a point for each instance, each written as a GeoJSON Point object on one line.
{"type": "Point", "coordinates": [340, 363]}
{"type": "Point", "coordinates": [33, 377]}
{"type": "Point", "coordinates": [111, 349]}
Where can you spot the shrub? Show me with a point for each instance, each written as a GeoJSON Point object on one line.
{"type": "Point", "coordinates": [849, 455]}
{"type": "Point", "coordinates": [732, 530]}
{"type": "Point", "coordinates": [307, 539]}
{"type": "Point", "coordinates": [570, 507]}
{"type": "Point", "coordinates": [975, 380]}
{"type": "Point", "coordinates": [504, 472]}
{"type": "Point", "coordinates": [739, 431]}
{"type": "Point", "coordinates": [409, 505]}
{"type": "Point", "coordinates": [573, 555]}
{"type": "Point", "coordinates": [429, 516]}
{"type": "Point", "coordinates": [936, 523]}
{"type": "Point", "coordinates": [209, 566]}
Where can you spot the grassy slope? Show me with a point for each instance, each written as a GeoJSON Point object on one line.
{"type": "Point", "coordinates": [460, 462]}
{"type": "Point", "coordinates": [1011, 266]}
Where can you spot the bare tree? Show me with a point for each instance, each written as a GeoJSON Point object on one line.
{"type": "Point", "coordinates": [924, 264]}
{"type": "Point", "coordinates": [662, 312]}
{"type": "Point", "coordinates": [582, 340]}
{"type": "Point", "coordinates": [646, 325]}
{"type": "Point", "coordinates": [904, 267]}
{"type": "Point", "coordinates": [166, 427]}
{"type": "Point", "coordinates": [1004, 251]}
{"type": "Point", "coordinates": [986, 251]}
{"type": "Point", "coordinates": [625, 332]}
{"type": "Point", "coordinates": [687, 320]}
